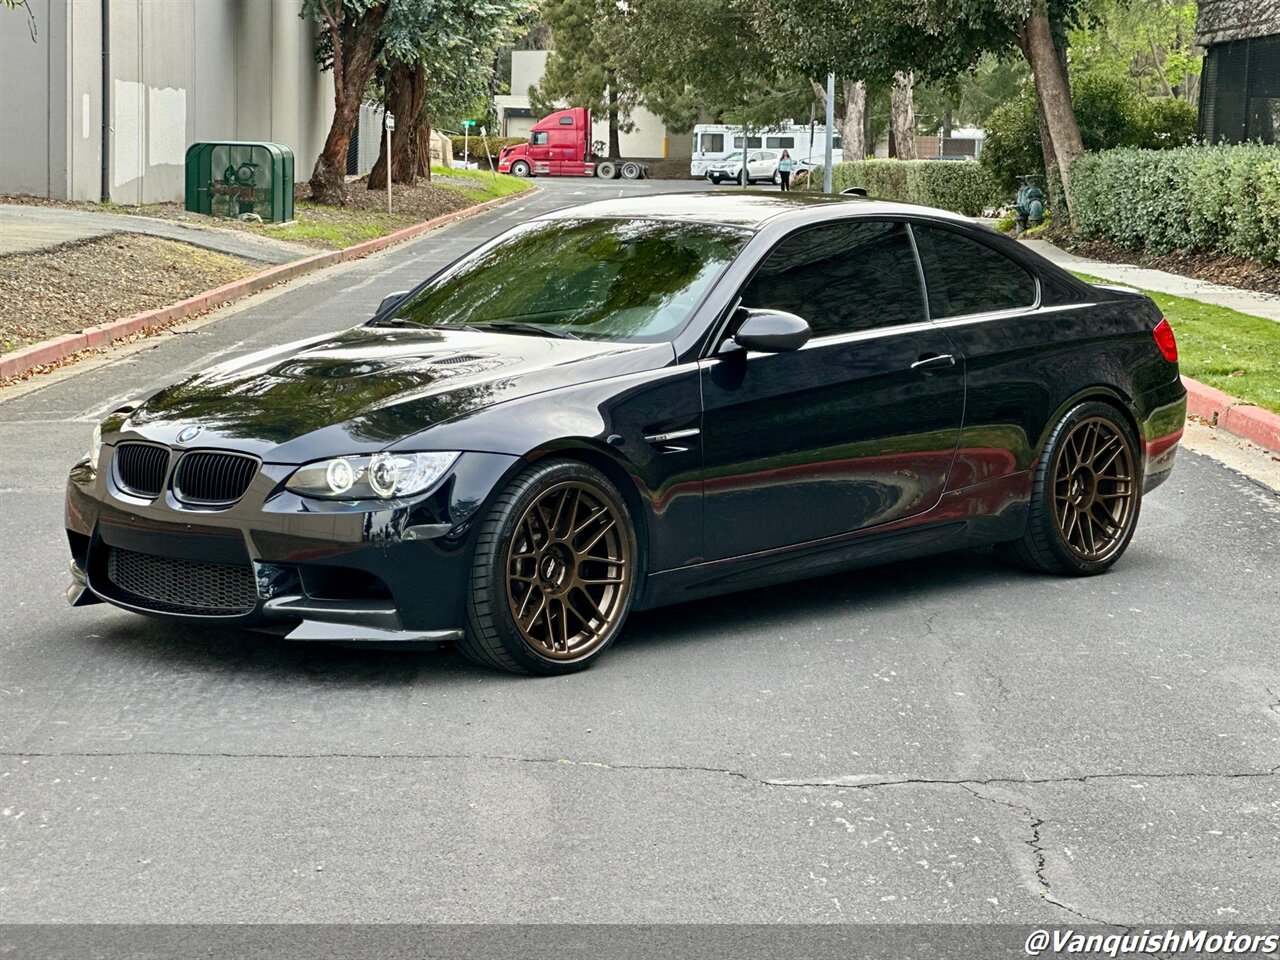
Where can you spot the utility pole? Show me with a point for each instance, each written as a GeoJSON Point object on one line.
{"type": "Point", "coordinates": [831, 126]}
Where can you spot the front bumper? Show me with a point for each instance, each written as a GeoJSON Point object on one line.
{"type": "Point", "coordinates": [316, 570]}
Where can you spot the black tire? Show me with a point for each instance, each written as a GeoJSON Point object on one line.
{"type": "Point", "coordinates": [632, 170]}
{"type": "Point", "coordinates": [739, 178]}
{"type": "Point", "coordinates": [492, 637]}
{"type": "Point", "coordinates": [607, 170]}
{"type": "Point", "coordinates": [521, 169]}
{"type": "Point", "coordinates": [777, 177]}
{"type": "Point", "coordinates": [716, 180]}
{"type": "Point", "coordinates": [1057, 492]}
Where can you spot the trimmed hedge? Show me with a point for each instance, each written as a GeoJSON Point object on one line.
{"type": "Point", "coordinates": [950, 184]}
{"type": "Point", "coordinates": [1223, 199]}
{"type": "Point", "coordinates": [476, 146]}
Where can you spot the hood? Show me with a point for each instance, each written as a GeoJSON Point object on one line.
{"type": "Point", "coordinates": [369, 388]}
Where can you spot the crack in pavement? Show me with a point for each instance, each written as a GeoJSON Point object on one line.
{"type": "Point", "coordinates": [852, 782]}
{"type": "Point", "coordinates": [1040, 868]}
{"type": "Point", "coordinates": [1040, 855]}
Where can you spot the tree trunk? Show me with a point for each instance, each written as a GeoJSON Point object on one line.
{"type": "Point", "coordinates": [904, 115]}
{"type": "Point", "coordinates": [851, 116]}
{"type": "Point", "coordinates": [851, 120]}
{"type": "Point", "coordinates": [948, 121]}
{"type": "Point", "coordinates": [353, 65]}
{"type": "Point", "coordinates": [1053, 93]}
{"type": "Point", "coordinates": [614, 150]}
{"type": "Point", "coordinates": [406, 92]}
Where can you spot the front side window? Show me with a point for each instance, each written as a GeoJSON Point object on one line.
{"type": "Point", "coordinates": [539, 138]}
{"type": "Point", "coordinates": [712, 142]}
{"type": "Point", "coordinates": [842, 278]}
{"type": "Point", "coordinates": [965, 276]}
{"type": "Point", "coordinates": [633, 280]}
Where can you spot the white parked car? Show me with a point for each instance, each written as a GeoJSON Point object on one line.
{"type": "Point", "coordinates": [761, 165]}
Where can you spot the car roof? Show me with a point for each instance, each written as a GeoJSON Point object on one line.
{"type": "Point", "coordinates": [746, 208]}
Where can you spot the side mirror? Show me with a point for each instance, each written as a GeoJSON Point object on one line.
{"type": "Point", "coordinates": [389, 301]}
{"type": "Point", "coordinates": [770, 331]}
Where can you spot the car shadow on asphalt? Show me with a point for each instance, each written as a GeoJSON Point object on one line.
{"type": "Point", "coordinates": [867, 592]}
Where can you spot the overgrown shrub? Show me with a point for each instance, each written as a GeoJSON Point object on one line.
{"type": "Point", "coordinates": [952, 185]}
{"type": "Point", "coordinates": [1223, 199]}
{"type": "Point", "coordinates": [1110, 114]}
{"type": "Point", "coordinates": [475, 145]}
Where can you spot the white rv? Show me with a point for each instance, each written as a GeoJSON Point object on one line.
{"type": "Point", "coordinates": [715, 142]}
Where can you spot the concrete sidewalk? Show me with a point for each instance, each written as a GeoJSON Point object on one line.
{"type": "Point", "coordinates": [1246, 301]}
{"type": "Point", "coordinates": [24, 229]}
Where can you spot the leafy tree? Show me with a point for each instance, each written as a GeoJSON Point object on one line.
{"type": "Point", "coordinates": [1151, 43]}
{"type": "Point", "coordinates": [586, 68]}
{"type": "Point", "coordinates": [437, 58]}
{"type": "Point", "coordinates": [349, 46]}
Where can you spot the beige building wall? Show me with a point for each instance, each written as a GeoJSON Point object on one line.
{"type": "Point", "coordinates": [181, 71]}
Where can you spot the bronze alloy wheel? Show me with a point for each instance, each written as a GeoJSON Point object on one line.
{"type": "Point", "coordinates": [1094, 489]}
{"type": "Point", "coordinates": [569, 570]}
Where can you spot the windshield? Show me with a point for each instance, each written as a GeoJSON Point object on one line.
{"type": "Point", "coordinates": [733, 156]}
{"type": "Point", "coordinates": [634, 280]}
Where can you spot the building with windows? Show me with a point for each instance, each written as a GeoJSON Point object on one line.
{"type": "Point", "coordinates": [103, 97]}
{"type": "Point", "coordinates": [1240, 82]}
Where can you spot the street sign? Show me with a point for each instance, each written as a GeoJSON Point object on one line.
{"type": "Point", "coordinates": [468, 123]}
{"type": "Point", "coordinates": [391, 121]}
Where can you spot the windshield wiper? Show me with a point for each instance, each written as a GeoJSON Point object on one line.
{"type": "Point", "coordinates": [393, 322]}
{"type": "Point", "coordinates": [514, 326]}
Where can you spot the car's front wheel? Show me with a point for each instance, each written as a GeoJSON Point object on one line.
{"type": "Point", "coordinates": [1086, 497]}
{"type": "Point", "coordinates": [554, 571]}
{"type": "Point", "coordinates": [521, 169]}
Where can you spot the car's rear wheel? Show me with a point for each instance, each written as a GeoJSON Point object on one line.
{"type": "Point", "coordinates": [554, 572]}
{"type": "Point", "coordinates": [1086, 497]}
{"type": "Point", "coordinates": [607, 170]}
{"type": "Point", "coordinates": [520, 169]}
{"type": "Point", "coordinates": [632, 170]}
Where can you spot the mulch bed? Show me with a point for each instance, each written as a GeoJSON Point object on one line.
{"type": "Point", "coordinates": [422, 201]}
{"type": "Point", "coordinates": [63, 289]}
{"type": "Point", "coordinates": [1214, 268]}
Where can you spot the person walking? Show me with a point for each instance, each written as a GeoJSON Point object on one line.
{"type": "Point", "coordinates": [784, 170]}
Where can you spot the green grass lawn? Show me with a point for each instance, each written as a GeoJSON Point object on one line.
{"type": "Point", "coordinates": [1235, 352]}
{"type": "Point", "coordinates": [482, 184]}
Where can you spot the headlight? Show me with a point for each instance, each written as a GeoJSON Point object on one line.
{"type": "Point", "coordinates": [381, 476]}
{"type": "Point", "coordinates": [95, 445]}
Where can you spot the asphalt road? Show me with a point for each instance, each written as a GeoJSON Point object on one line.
{"type": "Point", "coordinates": [943, 740]}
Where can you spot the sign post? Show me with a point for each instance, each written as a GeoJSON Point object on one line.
{"type": "Point", "coordinates": [484, 136]}
{"type": "Point", "coordinates": [390, 125]}
{"type": "Point", "coordinates": [466, 140]}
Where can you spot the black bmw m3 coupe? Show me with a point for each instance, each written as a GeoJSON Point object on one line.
{"type": "Point", "coordinates": [634, 403]}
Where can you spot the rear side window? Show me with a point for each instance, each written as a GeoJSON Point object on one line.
{"type": "Point", "coordinates": [842, 278]}
{"type": "Point", "coordinates": [965, 276]}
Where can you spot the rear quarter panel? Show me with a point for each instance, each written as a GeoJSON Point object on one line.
{"type": "Point", "coordinates": [1025, 370]}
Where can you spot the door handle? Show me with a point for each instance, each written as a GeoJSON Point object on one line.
{"type": "Point", "coordinates": [931, 362]}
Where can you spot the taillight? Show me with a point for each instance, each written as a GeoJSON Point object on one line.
{"type": "Point", "coordinates": [1164, 338]}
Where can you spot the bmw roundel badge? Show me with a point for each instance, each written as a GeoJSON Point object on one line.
{"type": "Point", "coordinates": [188, 434]}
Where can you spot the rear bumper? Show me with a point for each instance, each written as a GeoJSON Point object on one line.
{"type": "Point", "coordinates": [1163, 417]}
{"type": "Point", "coordinates": [315, 571]}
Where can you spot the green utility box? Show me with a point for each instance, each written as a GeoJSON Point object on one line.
{"type": "Point", "coordinates": [233, 178]}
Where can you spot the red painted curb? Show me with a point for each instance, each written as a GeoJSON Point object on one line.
{"type": "Point", "coordinates": [1233, 415]}
{"type": "Point", "coordinates": [19, 362]}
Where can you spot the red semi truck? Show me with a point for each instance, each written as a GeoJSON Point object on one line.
{"type": "Point", "coordinates": [560, 146]}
